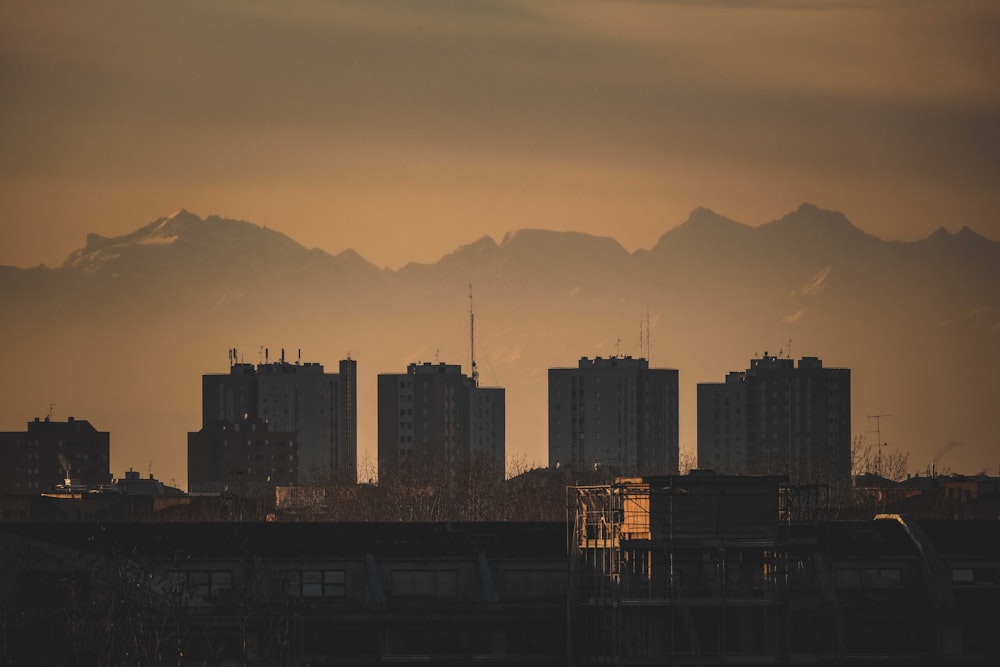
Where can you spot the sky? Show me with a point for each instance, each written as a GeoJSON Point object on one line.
{"type": "Point", "coordinates": [404, 129]}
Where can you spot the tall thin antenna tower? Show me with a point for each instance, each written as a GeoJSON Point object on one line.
{"type": "Point", "coordinates": [878, 445]}
{"type": "Point", "coordinates": [472, 341]}
{"type": "Point", "coordinates": [641, 355]}
{"type": "Point", "coordinates": [649, 350]}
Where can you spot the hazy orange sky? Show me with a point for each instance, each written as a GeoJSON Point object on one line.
{"type": "Point", "coordinates": [404, 129]}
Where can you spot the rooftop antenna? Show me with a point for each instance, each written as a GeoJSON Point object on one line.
{"type": "Point", "coordinates": [879, 444]}
{"type": "Point", "coordinates": [640, 340]}
{"type": "Point", "coordinates": [267, 355]}
{"type": "Point", "coordinates": [618, 344]}
{"type": "Point", "coordinates": [788, 349]}
{"type": "Point", "coordinates": [260, 352]}
{"type": "Point", "coordinates": [52, 411]}
{"type": "Point", "coordinates": [649, 349]}
{"type": "Point", "coordinates": [229, 353]}
{"type": "Point", "coordinates": [299, 360]}
{"type": "Point", "coordinates": [472, 341]}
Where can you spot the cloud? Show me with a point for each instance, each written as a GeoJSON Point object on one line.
{"type": "Point", "coordinates": [794, 317]}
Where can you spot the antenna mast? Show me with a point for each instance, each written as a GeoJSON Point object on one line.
{"type": "Point", "coordinates": [472, 341]}
{"type": "Point", "coordinates": [641, 356]}
{"type": "Point", "coordinates": [878, 445]}
{"type": "Point", "coordinates": [649, 350]}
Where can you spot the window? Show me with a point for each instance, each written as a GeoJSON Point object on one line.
{"type": "Point", "coordinates": [316, 583]}
{"type": "Point", "coordinates": [521, 584]}
{"type": "Point", "coordinates": [868, 577]}
{"type": "Point", "coordinates": [425, 583]}
{"type": "Point", "coordinates": [962, 576]}
{"type": "Point", "coordinates": [200, 583]}
{"type": "Point", "coordinates": [885, 576]}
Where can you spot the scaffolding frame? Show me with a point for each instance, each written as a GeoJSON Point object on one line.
{"type": "Point", "coordinates": [692, 569]}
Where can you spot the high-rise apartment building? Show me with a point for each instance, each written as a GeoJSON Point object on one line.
{"type": "Point", "coordinates": [436, 411]}
{"type": "Point", "coordinates": [320, 407]}
{"type": "Point", "coordinates": [48, 452]}
{"type": "Point", "coordinates": [778, 418]}
{"type": "Point", "coordinates": [244, 456]}
{"type": "Point", "coordinates": [617, 413]}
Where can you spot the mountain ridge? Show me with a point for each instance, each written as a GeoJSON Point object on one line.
{"type": "Point", "coordinates": [702, 223]}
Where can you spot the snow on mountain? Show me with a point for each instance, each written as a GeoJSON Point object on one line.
{"type": "Point", "coordinates": [99, 250]}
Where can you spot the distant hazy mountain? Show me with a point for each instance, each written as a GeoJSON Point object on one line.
{"type": "Point", "coordinates": [122, 331]}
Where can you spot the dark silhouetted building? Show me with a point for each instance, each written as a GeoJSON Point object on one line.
{"type": "Point", "coordinates": [133, 484]}
{"type": "Point", "coordinates": [436, 411]}
{"type": "Point", "coordinates": [321, 408]}
{"type": "Point", "coordinates": [707, 569]}
{"type": "Point", "coordinates": [49, 452]}
{"type": "Point", "coordinates": [242, 456]}
{"type": "Point", "coordinates": [776, 417]}
{"type": "Point", "coordinates": [617, 413]}
{"type": "Point", "coordinates": [695, 569]}
{"type": "Point", "coordinates": [277, 593]}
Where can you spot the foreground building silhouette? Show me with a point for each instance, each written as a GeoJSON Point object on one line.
{"type": "Point", "coordinates": [779, 418]}
{"type": "Point", "coordinates": [435, 414]}
{"type": "Point", "coordinates": [616, 413]}
{"type": "Point", "coordinates": [283, 593]}
{"type": "Point", "coordinates": [709, 569]}
{"type": "Point", "coordinates": [697, 569]}
{"type": "Point", "coordinates": [319, 408]}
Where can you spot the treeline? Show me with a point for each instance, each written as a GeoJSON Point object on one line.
{"type": "Point", "coordinates": [421, 489]}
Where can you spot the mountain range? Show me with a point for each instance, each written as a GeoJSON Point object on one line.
{"type": "Point", "coordinates": [122, 331]}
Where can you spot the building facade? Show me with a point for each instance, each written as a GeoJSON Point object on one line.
{"type": "Point", "coordinates": [241, 456]}
{"type": "Point", "coordinates": [436, 411]}
{"type": "Point", "coordinates": [776, 417]}
{"type": "Point", "coordinates": [320, 407]}
{"type": "Point", "coordinates": [48, 452]}
{"type": "Point", "coordinates": [615, 412]}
